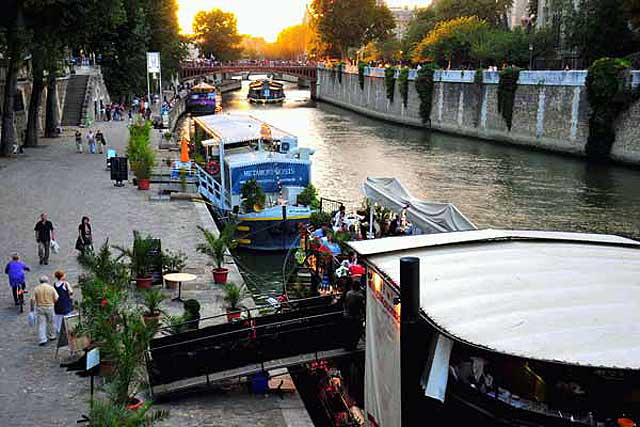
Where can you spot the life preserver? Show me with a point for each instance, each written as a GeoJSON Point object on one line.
{"type": "Point", "coordinates": [214, 168]}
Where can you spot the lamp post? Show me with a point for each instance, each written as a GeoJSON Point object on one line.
{"type": "Point", "coordinates": [530, 56]}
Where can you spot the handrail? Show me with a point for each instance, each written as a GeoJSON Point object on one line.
{"type": "Point", "coordinates": [251, 328]}
{"type": "Point", "coordinates": [211, 189]}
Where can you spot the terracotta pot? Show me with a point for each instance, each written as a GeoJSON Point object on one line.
{"type": "Point", "coordinates": [151, 320]}
{"type": "Point", "coordinates": [143, 183]}
{"type": "Point", "coordinates": [220, 275]}
{"type": "Point", "coordinates": [134, 404]}
{"type": "Point", "coordinates": [170, 284]}
{"type": "Point", "coordinates": [144, 282]}
{"type": "Point", "coordinates": [233, 314]}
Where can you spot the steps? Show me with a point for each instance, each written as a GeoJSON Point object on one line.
{"type": "Point", "coordinates": [74, 100]}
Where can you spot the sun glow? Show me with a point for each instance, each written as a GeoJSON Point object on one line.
{"type": "Point", "coordinates": [260, 19]}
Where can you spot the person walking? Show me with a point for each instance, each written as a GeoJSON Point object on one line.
{"type": "Point", "coordinates": [42, 302]}
{"type": "Point", "coordinates": [91, 141]}
{"type": "Point", "coordinates": [45, 233]}
{"type": "Point", "coordinates": [78, 141]}
{"type": "Point", "coordinates": [15, 270]}
{"type": "Point", "coordinates": [102, 143]}
{"type": "Point", "coordinates": [85, 240]}
{"type": "Point", "coordinates": [354, 304]}
{"type": "Point", "coordinates": [64, 304]}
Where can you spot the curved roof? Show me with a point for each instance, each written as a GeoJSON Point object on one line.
{"type": "Point", "coordinates": [235, 128]}
{"type": "Point", "coordinates": [564, 297]}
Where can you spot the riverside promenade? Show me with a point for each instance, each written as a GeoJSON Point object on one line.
{"type": "Point", "coordinates": [34, 390]}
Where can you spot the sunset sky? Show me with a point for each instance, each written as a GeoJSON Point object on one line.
{"type": "Point", "coordinates": [259, 18]}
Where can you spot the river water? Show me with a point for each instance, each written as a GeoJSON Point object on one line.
{"type": "Point", "coordinates": [494, 185]}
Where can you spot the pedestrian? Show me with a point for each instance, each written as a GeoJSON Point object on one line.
{"type": "Point", "coordinates": [42, 302]}
{"type": "Point", "coordinates": [354, 302]}
{"type": "Point", "coordinates": [108, 112]}
{"type": "Point", "coordinates": [91, 141]}
{"type": "Point", "coordinates": [130, 114]}
{"type": "Point", "coordinates": [78, 141]}
{"type": "Point", "coordinates": [15, 270]}
{"type": "Point", "coordinates": [102, 143]}
{"type": "Point", "coordinates": [85, 239]}
{"type": "Point", "coordinates": [64, 304]}
{"type": "Point", "coordinates": [45, 233]}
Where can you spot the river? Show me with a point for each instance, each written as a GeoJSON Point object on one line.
{"type": "Point", "coordinates": [494, 185]}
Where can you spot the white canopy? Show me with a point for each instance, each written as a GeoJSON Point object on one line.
{"type": "Point", "coordinates": [430, 217]}
{"type": "Point", "coordinates": [235, 128]}
{"type": "Point", "coordinates": [566, 297]}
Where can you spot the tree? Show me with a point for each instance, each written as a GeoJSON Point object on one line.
{"type": "Point", "coordinates": [164, 32]}
{"type": "Point", "coordinates": [449, 44]}
{"type": "Point", "coordinates": [599, 28]}
{"type": "Point", "coordinates": [632, 9]}
{"type": "Point", "coordinates": [217, 35]}
{"type": "Point", "coordinates": [423, 21]}
{"type": "Point", "coordinates": [387, 50]}
{"type": "Point", "coordinates": [353, 23]}
{"type": "Point", "coordinates": [492, 11]}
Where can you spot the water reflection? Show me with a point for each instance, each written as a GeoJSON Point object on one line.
{"type": "Point", "coordinates": [494, 185]}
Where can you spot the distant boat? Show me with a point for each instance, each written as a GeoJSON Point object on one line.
{"type": "Point", "coordinates": [203, 99]}
{"type": "Point", "coordinates": [266, 92]}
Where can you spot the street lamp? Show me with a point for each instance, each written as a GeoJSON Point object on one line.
{"type": "Point", "coordinates": [530, 56]}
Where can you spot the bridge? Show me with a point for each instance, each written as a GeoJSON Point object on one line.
{"type": "Point", "coordinates": [305, 72]}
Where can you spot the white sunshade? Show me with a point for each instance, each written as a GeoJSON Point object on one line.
{"type": "Point", "coordinates": [430, 217]}
{"type": "Point", "coordinates": [567, 297]}
{"type": "Point", "coordinates": [234, 128]}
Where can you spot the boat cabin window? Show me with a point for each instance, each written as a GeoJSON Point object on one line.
{"type": "Point", "coordinates": [581, 395]}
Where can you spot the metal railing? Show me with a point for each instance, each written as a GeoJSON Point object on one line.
{"type": "Point", "coordinates": [211, 189]}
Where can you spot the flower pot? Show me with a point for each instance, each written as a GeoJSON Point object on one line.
{"type": "Point", "coordinates": [151, 321]}
{"type": "Point", "coordinates": [233, 314]}
{"type": "Point", "coordinates": [144, 282]}
{"type": "Point", "coordinates": [143, 183]}
{"type": "Point", "coordinates": [220, 276]}
{"type": "Point", "coordinates": [134, 404]}
{"type": "Point", "coordinates": [170, 284]}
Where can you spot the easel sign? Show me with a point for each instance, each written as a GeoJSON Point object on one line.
{"type": "Point", "coordinates": [68, 336]}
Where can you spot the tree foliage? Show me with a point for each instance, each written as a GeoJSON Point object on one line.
{"type": "Point", "coordinates": [491, 11]}
{"type": "Point", "coordinates": [354, 23]}
{"type": "Point", "coordinates": [423, 21]}
{"type": "Point", "coordinates": [216, 32]}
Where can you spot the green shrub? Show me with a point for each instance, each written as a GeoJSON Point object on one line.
{"type": "Point", "coordinates": [361, 67]}
{"type": "Point", "coordinates": [318, 218]}
{"type": "Point", "coordinates": [424, 86]}
{"type": "Point", "coordinates": [252, 195]}
{"type": "Point", "coordinates": [309, 197]}
{"type": "Point", "coordinates": [390, 82]}
{"type": "Point", "coordinates": [507, 87]}
{"type": "Point", "coordinates": [403, 85]}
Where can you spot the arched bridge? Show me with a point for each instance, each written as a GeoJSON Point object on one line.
{"type": "Point", "coordinates": [307, 72]}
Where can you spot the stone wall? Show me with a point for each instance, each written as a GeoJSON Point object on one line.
{"type": "Point", "coordinates": [550, 110]}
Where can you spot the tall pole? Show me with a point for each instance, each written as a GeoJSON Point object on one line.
{"type": "Point", "coordinates": [160, 79]}
{"type": "Point", "coordinates": [410, 354]}
{"type": "Point", "coordinates": [148, 90]}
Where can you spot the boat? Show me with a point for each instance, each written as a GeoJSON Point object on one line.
{"type": "Point", "coordinates": [240, 148]}
{"type": "Point", "coordinates": [203, 99]}
{"type": "Point", "coordinates": [502, 328]}
{"type": "Point", "coordinates": [266, 91]}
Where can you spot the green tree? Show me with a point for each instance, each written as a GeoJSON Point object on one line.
{"type": "Point", "coordinates": [492, 11]}
{"type": "Point", "coordinates": [216, 33]}
{"type": "Point", "coordinates": [423, 21]}
{"type": "Point", "coordinates": [164, 35]}
{"type": "Point", "coordinates": [599, 28]}
{"type": "Point", "coordinates": [354, 23]}
{"type": "Point", "coordinates": [450, 43]}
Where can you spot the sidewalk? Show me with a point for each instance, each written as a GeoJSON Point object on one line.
{"type": "Point", "coordinates": [34, 390]}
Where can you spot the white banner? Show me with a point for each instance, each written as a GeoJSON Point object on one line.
{"type": "Point", "coordinates": [382, 361]}
{"type": "Point", "coordinates": [153, 62]}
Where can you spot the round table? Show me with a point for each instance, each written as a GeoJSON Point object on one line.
{"type": "Point", "coordinates": [179, 277]}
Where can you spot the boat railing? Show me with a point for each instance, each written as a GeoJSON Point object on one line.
{"type": "Point", "coordinates": [210, 188]}
{"type": "Point", "coordinates": [330, 205]}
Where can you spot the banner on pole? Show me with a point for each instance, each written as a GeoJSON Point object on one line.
{"type": "Point", "coordinates": [153, 62]}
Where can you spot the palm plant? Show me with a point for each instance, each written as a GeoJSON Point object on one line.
{"type": "Point", "coordinates": [215, 246]}
{"type": "Point", "coordinates": [139, 254]}
{"type": "Point", "coordinates": [234, 294]}
{"type": "Point", "coordinates": [108, 414]}
{"type": "Point", "coordinates": [151, 298]}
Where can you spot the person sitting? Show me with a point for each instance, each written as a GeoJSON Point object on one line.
{"type": "Point", "coordinates": [340, 219]}
{"type": "Point", "coordinates": [334, 247]}
{"type": "Point", "coordinates": [320, 232]}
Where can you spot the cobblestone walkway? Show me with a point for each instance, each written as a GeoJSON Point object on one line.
{"type": "Point", "coordinates": [34, 390]}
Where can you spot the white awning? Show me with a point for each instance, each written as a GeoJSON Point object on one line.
{"type": "Point", "coordinates": [235, 128]}
{"type": "Point", "coordinates": [430, 217]}
{"type": "Point", "coordinates": [566, 297]}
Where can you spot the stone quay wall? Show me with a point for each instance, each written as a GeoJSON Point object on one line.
{"type": "Point", "coordinates": [550, 112]}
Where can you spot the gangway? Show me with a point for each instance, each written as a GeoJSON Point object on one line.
{"type": "Point", "coordinates": [312, 329]}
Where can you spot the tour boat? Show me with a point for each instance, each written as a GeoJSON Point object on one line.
{"type": "Point", "coordinates": [502, 328]}
{"type": "Point", "coordinates": [240, 148]}
{"type": "Point", "coordinates": [203, 99]}
{"type": "Point", "coordinates": [266, 92]}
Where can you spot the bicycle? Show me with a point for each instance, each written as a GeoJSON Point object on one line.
{"type": "Point", "coordinates": [20, 294]}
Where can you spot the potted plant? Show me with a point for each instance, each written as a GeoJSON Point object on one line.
{"type": "Point", "coordinates": [253, 196]}
{"type": "Point", "coordinates": [173, 262]}
{"type": "Point", "coordinates": [141, 259]}
{"type": "Point", "coordinates": [191, 314]}
{"type": "Point", "coordinates": [151, 299]}
{"type": "Point", "coordinates": [142, 167]}
{"type": "Point", "coordinates": [233, 295]}
{"type": "Point", "coordinates": [215, 247]}
{"type": "Point", "coordinates": [309, 197]}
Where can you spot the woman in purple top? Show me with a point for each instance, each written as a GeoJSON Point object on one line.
{"type": "Point", "coordinates": [15, 270]}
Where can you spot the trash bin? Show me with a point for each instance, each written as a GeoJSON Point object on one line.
{"type": "Point", "coordinates": [260, 383]}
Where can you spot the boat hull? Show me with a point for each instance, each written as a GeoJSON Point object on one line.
{"type": "Point", "coordinates": [268, 230]}
{"type": "Point", "coordinates": [266, 101]}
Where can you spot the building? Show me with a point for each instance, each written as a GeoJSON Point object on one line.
{"type": "Point", "coordinates": [519, 14]}
{"type": "Point", "coordinates": [402, 16]}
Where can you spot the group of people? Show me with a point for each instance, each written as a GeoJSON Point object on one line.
{"type": "Point", "coordinates": [49, 303]}
{"type": "Point", "coordinates": [113, 111]}
{"type": "Point", "coordinates": [96, 142]}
